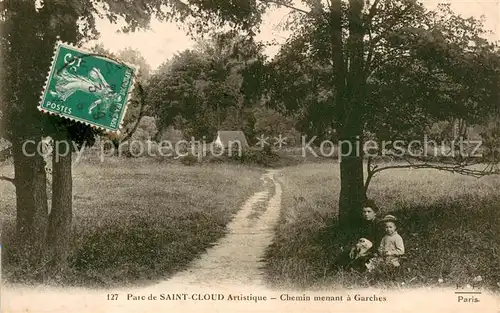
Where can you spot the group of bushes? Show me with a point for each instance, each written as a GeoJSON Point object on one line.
{"type": "Point", "coordinates": [265, 156]}
{"type": "Point", "coordinates": [253, 156]}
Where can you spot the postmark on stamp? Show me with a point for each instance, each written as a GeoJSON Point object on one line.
{"type": "Point", "coordinates": [87, 87]}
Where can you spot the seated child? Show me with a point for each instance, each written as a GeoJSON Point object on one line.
{"type": "Point", "coordinates": [391, 246]}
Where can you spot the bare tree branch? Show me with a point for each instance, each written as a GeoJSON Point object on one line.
{"type": "Point", "coordinates": [280, 3]}
{"type": "Point", "coordinates": [461, 166]}
{"type": "Point", "coordinates": [371, 171]}
{"type": "Point", "coordinates": [490, 169]}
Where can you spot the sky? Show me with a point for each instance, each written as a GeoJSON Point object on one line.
{"type": "Point", "coordinates": [163, 40]}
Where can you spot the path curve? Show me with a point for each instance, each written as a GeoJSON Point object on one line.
{"type": "Point", "coordinates": [232, 263]}
{"type": "Point", "coordinates": [231, 267]}
{"type": "Point", "coordinates": [236, 258]}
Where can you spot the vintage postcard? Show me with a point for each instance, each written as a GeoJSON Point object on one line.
{"type": "Point", "coordinates": [250, 156]}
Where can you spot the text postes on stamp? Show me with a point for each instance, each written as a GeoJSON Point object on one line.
{"type": "Point", "coordinates": [88, 88]}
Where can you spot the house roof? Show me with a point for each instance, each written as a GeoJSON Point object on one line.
{"type": "Point", "coordinates": [232, 136]}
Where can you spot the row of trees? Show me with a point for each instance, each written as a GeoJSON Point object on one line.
{"type": "Point", "coordinates": [388, 68]}
{"type": "Point", "coordinates": [220, 84]}
{"type": "Point", "coordinates": [380, 70]}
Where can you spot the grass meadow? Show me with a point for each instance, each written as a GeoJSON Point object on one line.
{"type": "Point", "coordinates": [449, 224]}
{"type": "Point", "coordinates": [138, 220]}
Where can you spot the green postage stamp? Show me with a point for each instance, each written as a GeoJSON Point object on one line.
{"type": "Point", "coordinates": [87, 88]}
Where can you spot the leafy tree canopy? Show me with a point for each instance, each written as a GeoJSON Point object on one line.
{"type": "Point", "coordinates": [199, 90]}
{"type": "Point", "coordinates": [419, 67]}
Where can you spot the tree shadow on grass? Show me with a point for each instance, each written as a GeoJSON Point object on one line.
{"type": "Point", "coordinates": [135, 252]}
{"type": "Point", "coordinates": [447, 243]}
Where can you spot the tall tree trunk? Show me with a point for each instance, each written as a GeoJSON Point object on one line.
{"type": "Point", "coordinates": [352, 192]}
{"type": "Point", "coordinates": [31, 201]}
{"type": "Point", "coordinates": [351, 131]}
{"type": "Point", "coordinates": [60, 217]}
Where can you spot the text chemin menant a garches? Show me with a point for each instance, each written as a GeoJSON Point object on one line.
{"type": "Point", "coordinates": [248, 297]}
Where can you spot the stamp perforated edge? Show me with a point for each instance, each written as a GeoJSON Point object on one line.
{"type": "Point", "coordinates": [134, 68]}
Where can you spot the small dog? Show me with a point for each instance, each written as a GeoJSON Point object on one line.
{"type": "Point", "coordinates": [361, 249]}
{"type": "Point", "coordinates": [360, 254]}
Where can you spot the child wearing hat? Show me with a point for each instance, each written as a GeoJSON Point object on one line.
{"type": "Point", "coordinates": [391, 246]}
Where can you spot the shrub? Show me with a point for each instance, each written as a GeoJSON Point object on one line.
{"type": "Point", "coordinates": [265, 157]}
{"type": "Point", "coordinates": [215, 159]}
{"type": "Point", "coordinates": [189, 160]}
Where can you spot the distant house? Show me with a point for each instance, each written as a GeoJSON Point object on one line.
{"type": "Point", "coordinates": [234, 139]}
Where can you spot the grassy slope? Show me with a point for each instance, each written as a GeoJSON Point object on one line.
{"type": "Point", "coordinates": [140, 221]}
{"type": "Point", "coordinates": [449, 224]}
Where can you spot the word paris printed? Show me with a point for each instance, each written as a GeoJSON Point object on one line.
{"type": "Point", "coordinates": [88, 88]}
